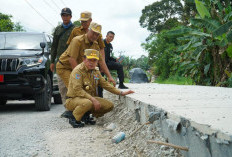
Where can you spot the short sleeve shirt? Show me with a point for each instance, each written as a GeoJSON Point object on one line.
{"type": "Point", "coordinates": [77, 31]}
{"type": "Point", "coordinates": [76, 50]}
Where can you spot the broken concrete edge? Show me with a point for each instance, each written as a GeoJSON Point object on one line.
{"type": "Point", "coordinates": [175, 122]}
{"type": "Point", "coordinates": [203, 129]}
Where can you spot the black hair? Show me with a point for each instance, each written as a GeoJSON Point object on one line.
{"type": "Point", "coordinates": [110, 32]}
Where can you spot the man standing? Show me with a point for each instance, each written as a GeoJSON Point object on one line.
{"type": "Point", "coordinates": [75, 52]}
{"type": "Point", "coordinates": [82, 90]}
{"type": "Point", "coordinates": [112, 63]}
{"type": "Point", "coordinates": [61, 35]}
{"type": "Point", "coordinates": [86, 19]}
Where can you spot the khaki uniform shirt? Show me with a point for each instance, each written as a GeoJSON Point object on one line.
{"type": "Point", "coordinates": [60, 37]}
{"type": "Point", "coordinates": [84, 83]}
{"type": "Point", "coordinates": [76, 50]}
{"type": "Point", "coordinates": [80, 31]}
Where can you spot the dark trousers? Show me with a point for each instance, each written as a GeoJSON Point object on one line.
{"type": "Point", "coordinates": [100, 89]}
{"type": "Point", "coordinates": [113, 66]}
{"type": "Point", "coordinates": [116, 66]}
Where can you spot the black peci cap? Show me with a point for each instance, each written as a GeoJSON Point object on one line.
{"type": "Point", "coordinates": [66, 11]}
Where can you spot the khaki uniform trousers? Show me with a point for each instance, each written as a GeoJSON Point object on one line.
{"type": "Point", "coordinates": [64, 75]}
{"type": "Point", "coordinates": [62, 89]}
{"type": "Point", "coordinates": [80, 106]}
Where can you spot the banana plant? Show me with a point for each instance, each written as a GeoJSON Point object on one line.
{"type": "Point", "coordinates": [206, 48]}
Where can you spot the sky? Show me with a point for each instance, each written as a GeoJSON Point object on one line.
{"type": "Point", "coordinates": [119, 16]}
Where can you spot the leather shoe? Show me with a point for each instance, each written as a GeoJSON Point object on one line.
{"type": "Point", "coordinates": [76, 124]}
{"type": "Point", "coordinates": [122, 86]}
{"type": "Point", "coordinates": [87, 119]}
{"type": "Point", "coordinates": [66, 114]}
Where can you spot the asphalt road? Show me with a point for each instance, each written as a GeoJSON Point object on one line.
{"type": "Point", "coordinates": [25, 132]}
{"type": "Point", "coordinates": [22, 128]}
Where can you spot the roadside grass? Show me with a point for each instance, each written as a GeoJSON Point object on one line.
{"type": "Point", "coordinates": [126, 80]}
{"type": "Point", "coordinates": [178, 80]}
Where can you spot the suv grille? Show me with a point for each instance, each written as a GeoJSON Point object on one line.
{"type": "Point", "coordinates": [9, 64]}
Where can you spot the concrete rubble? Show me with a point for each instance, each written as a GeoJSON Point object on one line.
{"type": "Point", "coordinates": [136, 145]}
{"type": "Point", "coordinates": [196, 117]}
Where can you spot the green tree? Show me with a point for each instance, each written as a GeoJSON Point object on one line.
{"type": "Point", "coordinates": [162, 50]}
{"type": "Point", "coordinates": [142, 63]}
{"type": "Point", "coordinates": [6, 25]}
{"type": "Point", "coordinates": [128, 63]}
{"type": "Point", "coordinates": [189, 11]}
{"type": "Point", "coordinates": [18, 27]}
{"type": "Point", "coordinates": [160, 15]}
{"type": "Point", "coordinates": [201, 48]}
{"type": "Point", "coordinates": [165, 14]}
{"type": "Point", "coordinates": [206, 49]}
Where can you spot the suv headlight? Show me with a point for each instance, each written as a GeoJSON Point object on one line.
{"type": "Point", "coordinates": [32, 61]}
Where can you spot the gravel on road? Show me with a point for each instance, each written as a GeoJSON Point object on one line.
{"type": "Point", "coordinates": [25, 132]}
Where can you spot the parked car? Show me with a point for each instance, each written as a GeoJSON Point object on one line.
{"type": "Point", "coordinates": [56, 94]}
{"type": "Point", "coordinates": [24, 68]}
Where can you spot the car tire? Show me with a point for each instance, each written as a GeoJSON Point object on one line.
{"type": "Point", "coordinates": [3, 101]}
{"type": "Point", "coordinates": [57, 99]}
{"type": "Point", "coordinates": [43, 99]}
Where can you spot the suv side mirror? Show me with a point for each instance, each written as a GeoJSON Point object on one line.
{"type": "Point", "coordinates": [42, 45]}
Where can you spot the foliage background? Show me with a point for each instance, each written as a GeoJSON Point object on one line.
{"type": "Point", "coordinates": [191, 39]}
{"type": "Point", "coordinates": [6, 24]}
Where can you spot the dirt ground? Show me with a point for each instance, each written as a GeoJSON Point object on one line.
{"type": "Point", "coordinates": [26, 132]}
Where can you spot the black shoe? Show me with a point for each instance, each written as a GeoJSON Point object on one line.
{"type": "Point", "coordinates": [72, 117]}
{"type": "Point", "coordinates": [66, 114]}
{"type": "Point", "coordinates": [76, 124]}
{"type": "Point", "coordinates": [87, 119]}
{"type": "Point", "coordinates": [122, 86]}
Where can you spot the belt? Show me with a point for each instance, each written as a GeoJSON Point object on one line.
{"type": "Point", "coordinates": [60, 62]}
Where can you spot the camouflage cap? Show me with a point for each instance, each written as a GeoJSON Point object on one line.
{"type": "Point", "coordinates": [91, 53]}
{"type": "Point", "coordinates": [66, 11]}
{"type": "Point", "coordinates": [95, 27]}
{"type": "Point", "coordinates": [85, 16]}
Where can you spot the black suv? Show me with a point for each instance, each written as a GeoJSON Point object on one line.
{"type": "Point", "coordinates": [24, 68]}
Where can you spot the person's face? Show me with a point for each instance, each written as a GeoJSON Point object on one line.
{"type": "Point", "coordinates": [90, 63]}
{"type": "Point", "coordinates": [85, 24]}
{"type": "Point", "coordinates": [109, 37]}
{"type": "Point", "coordinates": [92, 36]}
{"type": "Point", "coordinates": [66, 18]}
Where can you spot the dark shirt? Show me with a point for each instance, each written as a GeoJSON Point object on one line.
{"type": "Point", "coordinates": [108, 50]}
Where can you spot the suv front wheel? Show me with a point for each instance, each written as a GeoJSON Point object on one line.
{"type": "Point", "coordinates": [43, 99]}
{"type": "Point", "coordinates": [3, 101]}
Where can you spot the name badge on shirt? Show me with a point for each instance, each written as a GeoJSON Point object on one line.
{"type": "Point", "coordinates": [78, 76]}
{"type": "Point", "coordinates": [96, 77]}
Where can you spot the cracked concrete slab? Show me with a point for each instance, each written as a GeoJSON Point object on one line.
{"type": "Point", "coordinates": [210, 106]}
{"type": "Point", "coordinates": [198, 117]}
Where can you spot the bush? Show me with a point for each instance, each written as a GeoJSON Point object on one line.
{"type": "Point", "coordinates": [179, 80]}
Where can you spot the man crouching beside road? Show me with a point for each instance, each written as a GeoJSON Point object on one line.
{"type": "Point", "coordinates": [73, 56]}
{"type": "Point", "coordinates": [82, 91]}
